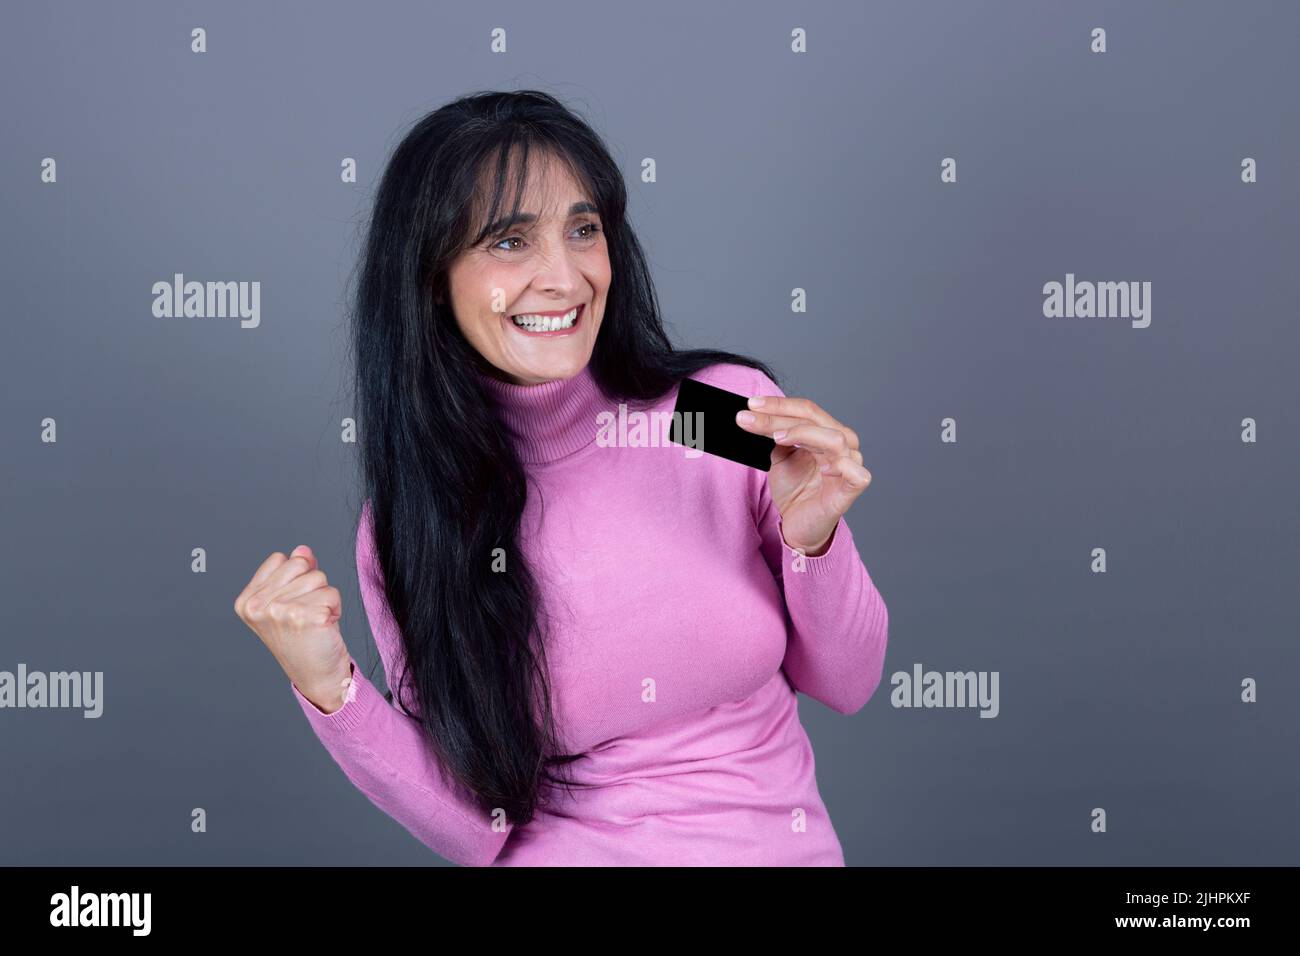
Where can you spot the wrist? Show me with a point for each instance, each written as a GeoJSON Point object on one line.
{"type": "Point", "coordinates": [330, 695]}
{"type": "Point", "coordinates": [811, 551]}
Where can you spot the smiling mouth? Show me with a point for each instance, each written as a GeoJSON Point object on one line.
{"type": "Point", "coordinates": [534, 323]}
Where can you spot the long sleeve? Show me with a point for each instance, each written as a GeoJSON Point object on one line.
{"type": "Point", "coordinates": [383, 752]}
{"type": "Point", "coordinates": [839, 622]}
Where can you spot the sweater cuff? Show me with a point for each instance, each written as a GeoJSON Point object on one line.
{"type": "Point", "coordinates": [828, 562]}
{"type": "Point", "coordinates": [359, 700]}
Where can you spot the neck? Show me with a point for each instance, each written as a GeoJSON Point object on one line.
{"type": "Point", "coordinates": [551, 420]}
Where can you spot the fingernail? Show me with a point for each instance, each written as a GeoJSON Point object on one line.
{"type": "Point", "coordinates": [745, 418]}
{"type": "Point", "coordinates": [779, 435]}
{"type": "Point", "coordinates": [756, 401]}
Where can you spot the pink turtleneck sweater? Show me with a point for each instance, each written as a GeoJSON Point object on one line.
{"type": "Point", "coordinates": [680, 631]}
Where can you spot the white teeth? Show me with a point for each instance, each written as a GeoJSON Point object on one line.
{"type": "Point", "coordinates": [546, 323]}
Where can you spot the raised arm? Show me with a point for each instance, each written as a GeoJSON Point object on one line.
{"type": "Point", "coordinates": [383, 752]}
{"type": "Point", "coordinates": [839, 622]}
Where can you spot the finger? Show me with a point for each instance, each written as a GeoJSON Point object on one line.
{"type": "Point", "coordinates": [781, 452]}
{"type": "Point", "coordinates": [761, 423]}
{"type": "Point", "coordinates": [289, 569]}
{"type": "Point", "coordinates": [314, 577]}
{"type": "Point", "coordinates": [805, 408]}
{"type": "Point", "coordinates": [829, 441]}
{"type": "Point", "coordinates": [322, 606]}
{"type": "Point", "coordinates": [853, 474]}
{"type": "Point", "coordinates": [305, 583]}
{"type": "Point", "coordinates": [260, 576]}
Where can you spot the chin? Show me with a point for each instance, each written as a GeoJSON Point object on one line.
{"type": "Point", "coordinates": [536, 372]}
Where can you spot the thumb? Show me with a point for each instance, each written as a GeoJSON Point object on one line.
{"type": "Point", "coordinates": [305, 552]}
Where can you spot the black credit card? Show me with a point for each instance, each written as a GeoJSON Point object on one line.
{"type": "Point", "coordinates": [705, 419]}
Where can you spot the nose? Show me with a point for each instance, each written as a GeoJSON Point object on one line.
{"type": "Point", "coordinates": [557, 272]}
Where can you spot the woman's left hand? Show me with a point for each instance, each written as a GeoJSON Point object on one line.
{"type": "Point", "coordinates": [812, 485]}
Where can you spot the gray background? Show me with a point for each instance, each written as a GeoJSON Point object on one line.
{"type": "Point", "coordinates": [1119, 690]}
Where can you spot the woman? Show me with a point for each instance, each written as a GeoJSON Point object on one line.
{"type": "Point", "coordinates": [592, 648]}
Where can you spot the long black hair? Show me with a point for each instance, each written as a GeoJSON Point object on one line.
{"type": "Point", "coordinates": [444, 483]}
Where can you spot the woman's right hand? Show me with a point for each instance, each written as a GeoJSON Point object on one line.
{"type": "Point", "coordinates": [291, 606]}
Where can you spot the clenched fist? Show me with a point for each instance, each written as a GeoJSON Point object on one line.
{"type": "Point", "coordinates": [290, 605]}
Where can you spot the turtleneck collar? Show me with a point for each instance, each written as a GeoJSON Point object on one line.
{"type": "Point", "coordinates": [549, 421]}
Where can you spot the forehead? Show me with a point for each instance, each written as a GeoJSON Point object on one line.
{"type": "Point", "coordinates": [549, 189]}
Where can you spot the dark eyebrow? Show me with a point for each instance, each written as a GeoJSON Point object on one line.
{"type": "Point", "coordinates": [505, 222]}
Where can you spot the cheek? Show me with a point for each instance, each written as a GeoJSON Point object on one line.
{"type": "Point", "coordinates": [480, 285]}
{"type": "Point", "coordinates": [498, 290]}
